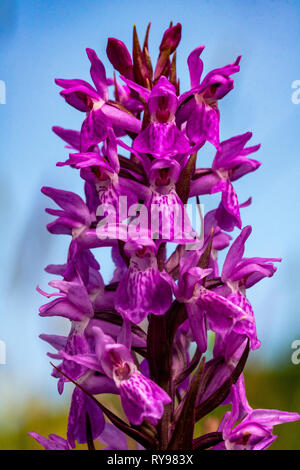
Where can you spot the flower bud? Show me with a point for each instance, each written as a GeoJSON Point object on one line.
{"type": "Point", "coordinates": [171, 39]}
{"type": "Point", "coordinates": [119, 57]}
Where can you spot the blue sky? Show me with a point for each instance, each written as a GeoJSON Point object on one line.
{"type": "Point", "coordinates": [41, 40]}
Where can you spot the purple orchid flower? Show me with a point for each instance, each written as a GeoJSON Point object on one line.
{"type": "Point", "coordinates": [230, 163]}
{"type": "Point", "coordinates": [142, 289]}
{"type": "Point", "coordinates": [255, 431]}
{"type": "Point", "coordinates": [199, 107]}
{"type": "Point", "coordinates": [141, 397]}
{"type": "Point", "coordinates": [205, 308]}
{"type": "Point", "coordinates": [101, 170]}
{"type": "Point", "coordinates": [242, 273]}
{"type": "Point", "coordinates": [72, 302]}
{"type": "Point", "coordinates": [101, 112]}
{"type": "Point", "coordinates": [161, 138]}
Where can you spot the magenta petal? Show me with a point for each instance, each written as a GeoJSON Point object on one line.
{"type": "Point", "coordinates": [161, 140]}
{"type": "Point", "coordinates": [90, 361]}
{"type": "Point", "coordinates": [121, 119]}
{"type": "Point", "coordinates": [80, 97]}
{"type": "Point", "coordinates": [69, 202]}
{"type": "Point", "coordinates": [82, 405]}
{"type": "Point", "coordinates": [169, 218]}
{"type": "Point", "coordinates": [231, 204]}
{"type": "Point", "coordinates": [142, 399]}
{"type": "Point", "coordinates": [198, 325]}
{"type": "Point", "coordinates": [143, 292]}
{"type": "Point", "coordinates": [78, 295]}
{"type": "Point", "coordinates": [203, 124]}
{"type": "Point", "coordinates": [75, 82]}
{"type": "Point", "coordinates": [56, 341]}
{"type": "Point", "coordinates": [94, 129]}
{"type": "Point", "coordinates": [113, 437]}
{"type": "Point", "coordinates": [272, 418]}
{"type": "Point", "coordinates": [246, 324]}
{"type": "Point", "coordinates": [119, 57]}
{"type": "Point", "coordinates": [62, 226]}
{"type": "Point", "coordinates": [229, 149]}
{"type": "Point", "coordinates": [195, 65]}
{"type": "Point", "coordinates": [252, 270]}
{"type": "Point", "coordinates": [53, 442]}
{"type": "Point", "coordinates": [225, 220]}
{"type": "Point", "coordinates": [162, 102]}
{"type": "Point", "coordinates": [204, 184]}
{"type": "Point", "coordinates": [68, 135]}
{"type": "Point", "coordinates": [221, 313]}
{"type": "Point", "coordinates": [98, 74]}
{"type": "Point", "coordinates": [235, 253]}
{"type": "Point", "coordinates": [144, 92]}
{"type": "Point", "coordinates": [61, 308]}
{"type": "Point", "coordinates": [257, 437]}
{"type": "Point", "coordinates": [96, 384]}
{"type": "Point", "coordinates": [244, 167]}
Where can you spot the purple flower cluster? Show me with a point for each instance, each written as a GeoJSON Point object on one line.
{"type": "Point", "coordinates": [143, 335]}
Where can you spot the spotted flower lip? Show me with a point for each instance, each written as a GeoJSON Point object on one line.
{"type": "Point", "coordinates": [142, 332]}
{"type": "Point", "coordinates": [162, 140]}
{"type": "Point", "coordinates": [162, 102]}
{"type": "Point", "coordinates": [142, 289]}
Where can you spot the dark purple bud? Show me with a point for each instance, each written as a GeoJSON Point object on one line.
{"type": "Point", "coordinates": [171, 39]}
{"type": "Point", "coordinates": [119, 57]}
{"type": "Point", "coordinates": [168, 45]}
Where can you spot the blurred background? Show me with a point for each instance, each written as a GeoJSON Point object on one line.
{"type": "Point", "coordinates": [45, 39]}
